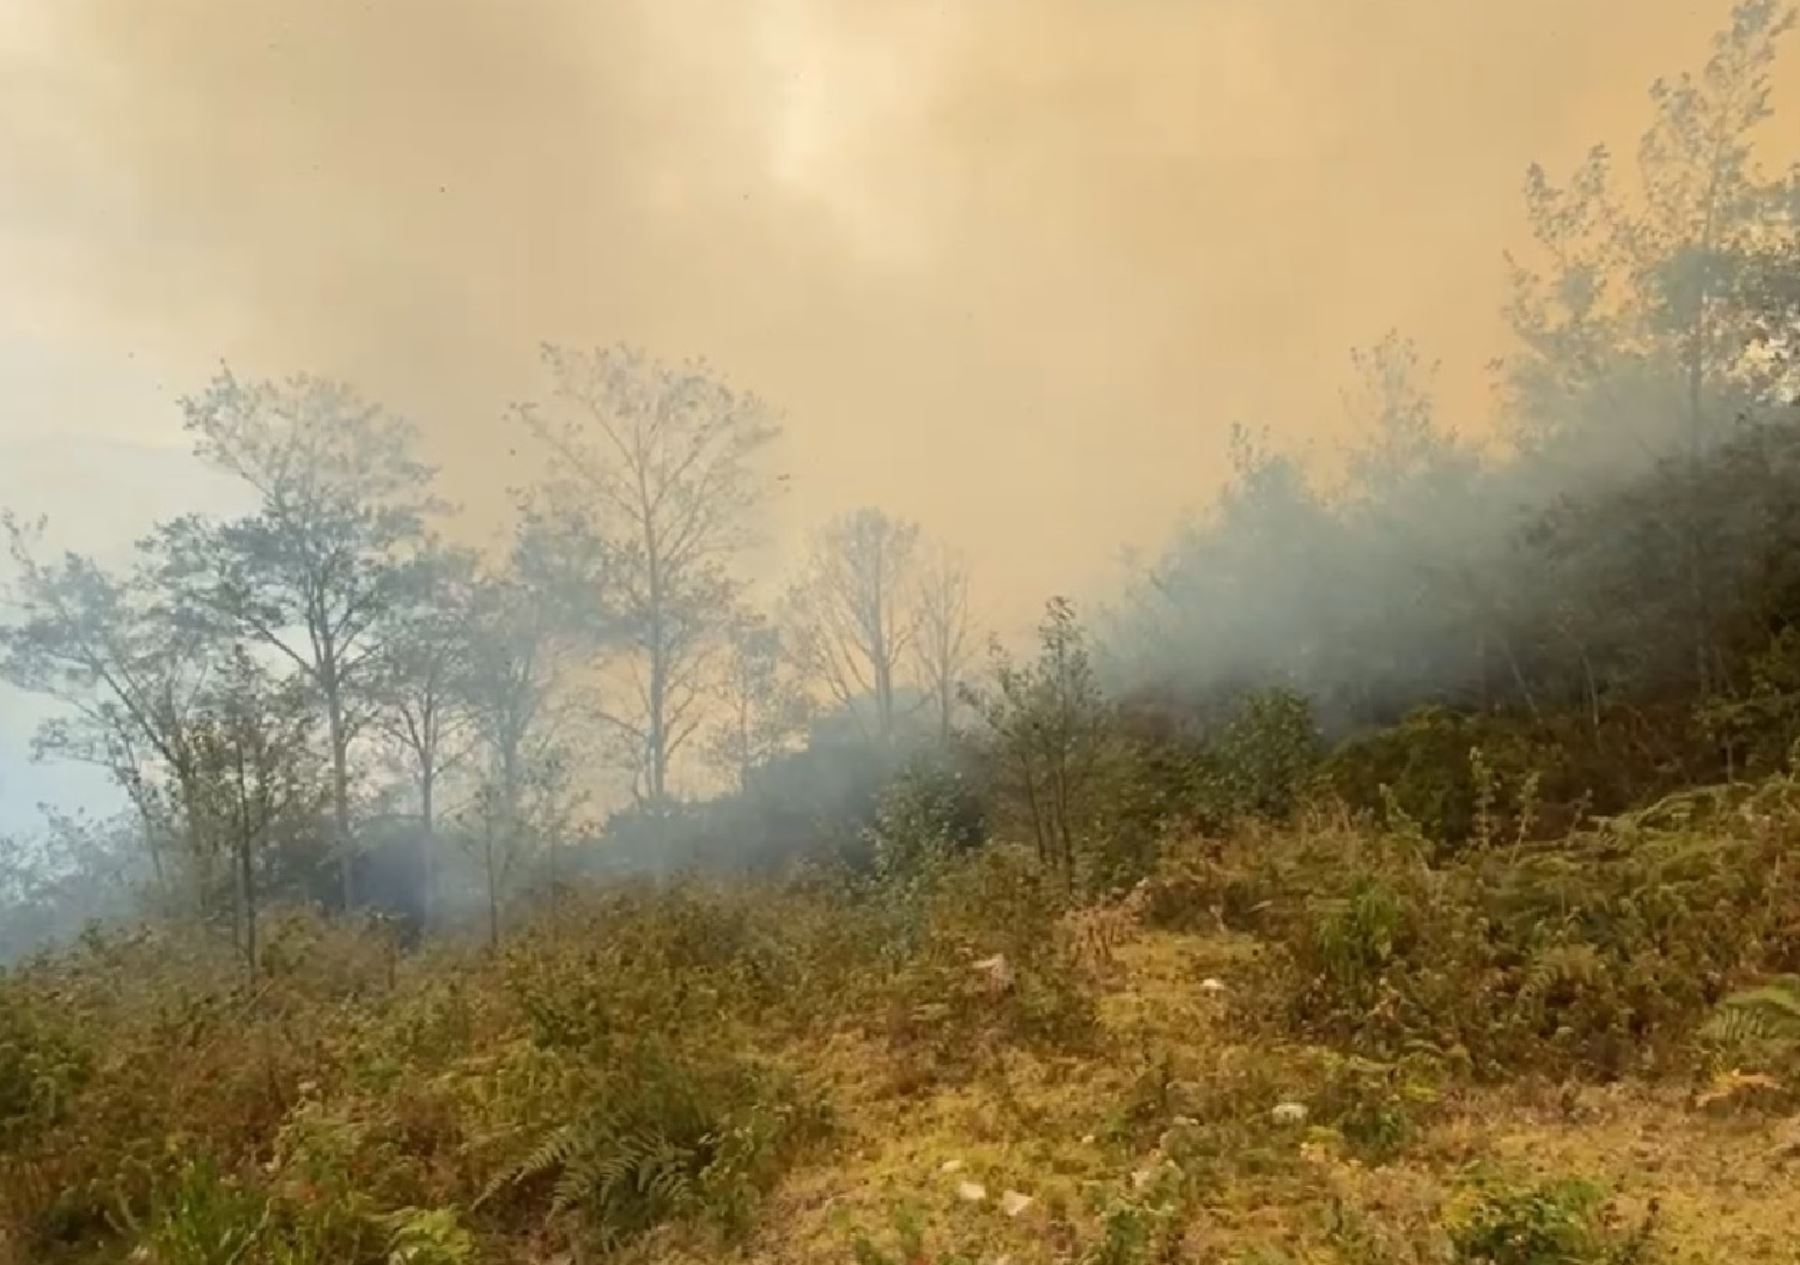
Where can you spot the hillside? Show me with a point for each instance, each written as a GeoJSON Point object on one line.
{"type": "Point", "coordinates": [1325, 1043]}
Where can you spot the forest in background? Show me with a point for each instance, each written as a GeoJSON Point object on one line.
{"type": "Point", "coordinates": [330, 699]}
{"type": "Point", "coordinates": [1512, 718]}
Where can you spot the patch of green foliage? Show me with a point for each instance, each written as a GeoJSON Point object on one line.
{"type": "Point", "coordinates": [1555, 1222]}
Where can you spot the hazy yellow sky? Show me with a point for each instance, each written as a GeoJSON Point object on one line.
{"type": "Point", "coordinates": [1008, 266]}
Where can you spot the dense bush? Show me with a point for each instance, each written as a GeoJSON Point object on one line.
{"type": "Point", "coordinates": [1556, 1222]}
{"type": "Point", "coordinates": [1457, 774]}
{"type": "Point", "coordinates": [627, 1061]}
{"type": "Point", "coordinates": [928, 812]}
{"type": "Point", "coordinates": [1593, 956]}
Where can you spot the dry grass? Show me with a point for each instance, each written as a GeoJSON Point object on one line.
{"type": "Point", "coordinates": [1722, 1188]}
{"type": "Point", "coordinates": [1124, 1080]}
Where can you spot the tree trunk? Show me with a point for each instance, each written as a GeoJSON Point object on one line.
{"type": "Point", "coordinates": [247, 898]}
{"type": "Point", "coordinates": [340, 789]}
{"type": "Point", "coordinates": [884, 695]}
{"type": "Point", "coordinates": [656, 757]}
{"type": "Point", "coordinates": [493, 893]}
{"type": "Point", "coordinates": [427, 846]}
{"type": "Point", "coordinates": [164, 898]}
{"type": "Point", "coordinates": [1037, 816]}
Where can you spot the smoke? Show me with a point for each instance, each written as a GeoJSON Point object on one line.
{"type": "Point", "coordinates": [1010, 268]}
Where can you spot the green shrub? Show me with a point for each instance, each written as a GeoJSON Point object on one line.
{"type": "Point", "coordinates": [205, 1218]}
{"type": "Point", "coordinates": [662, 1137]}
{"type": "Point", "coordinates": [42, 1064]}
{"type": "Point", "coordinates": [1555, 1222]}
{"type": "Point", "coordinates": [1267, 754]}
{"type": "Point", "coordinates": [928, 812]}
{"type": "Point", "coordinates": [1595, 956]}
{"type": "Point", "coordinates": [1423, 764]}
{"type": "Point", "coordinates": [996, 903]}
{"type": "Point", "coordinates": [428, 1236]}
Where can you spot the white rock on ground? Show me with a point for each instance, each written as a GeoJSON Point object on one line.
{"type": "Point", "coordinates": [971, 1192]}
{"type": "Point", "coordinates": [950, 1166]}
{"type": "Point", "coordinates": [1012, 1203]}
{"type": "Point", "coordinates": [1212, 985]}
{"type": "Point", "coordinates": [996, 971]}
{"type": "Point", "coordinates": [1289, 1112]}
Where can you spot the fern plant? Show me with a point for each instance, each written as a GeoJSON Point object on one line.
{"type": "Point", "coordinates": [1768, 1014]}
{"type": "Point", "coordinates": [668, 1140]}
{"type": "Point", "coordinates": [623, 1176]}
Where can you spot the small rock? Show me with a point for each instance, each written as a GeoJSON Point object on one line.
{"type": "Point", "coordinates": [971, 1192]}
{"type": "Point", "coordinates": [1087, 1139]}
{"type": "Point", "coordinates": [1184, 1122]}
{"type": "Point", "coordinates": [1212, 985]}
{"type": "Point", "coordinates": [950, 1166]}
{"type": "Point", "coordinates": [996, 971]}
{"type": "Point", "coordinates": [1012, 1203]}
{"type": "Point", "coordinates": [1289, 1113]}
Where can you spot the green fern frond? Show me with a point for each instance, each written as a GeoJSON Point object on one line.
{"type": "Point", "coordinates": [1769, 1012]}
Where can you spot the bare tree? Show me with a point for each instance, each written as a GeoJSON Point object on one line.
{"type": "Point", "coordinates": [852, 611]}
{"type": "Point", "coordinates": [762, 709]}
{"type": "Point", "coordinates": [664, 459]}
{"type": "Point", "coordinates": [312, 572]}
{"type": "Point", "coordinates": [516, 679]}
{"type": "Point", "coordinates": [421, 685]}
{"type": "Point", "coordinates": [944, 645]}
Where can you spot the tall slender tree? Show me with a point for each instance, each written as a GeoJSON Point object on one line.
{"type": "Point", "coordinates": [664, 458]}
{"type": "Point", "coordinates": [314, 570]}
{"type": "Point", "coordinates": [258, 775]}
{"type": "Point", "coordinates": [945, 642]}
{"type": "Point", "coordinates": [530, 631]}
{"type": "Point", "coordinates": [421, 685]}
{"type": "Point", "coordinates": [761, 708]}
{"type": "Point", "coordinates": [853, 612]}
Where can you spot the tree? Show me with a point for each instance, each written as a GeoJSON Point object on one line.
{"type": "Point", "coordinates": [1250, 590]}
{"type": "Point", "coordinates": [1638, 316]}
{"type": "Point", "coordinates": [663, 458]}
{"type": "Point", "coordinates": [313, 572]}
{"type": "Point", "coordinates": [258, 774]}
{"type": "Point", "coordinates": [524, 640]}
{"type": "Point", "coordinates": [75, 873]}
{"type": "Point", "coordinates": [1642, 285]}
{"type": "Point", "coordinates": [105, 647]}
{"type": "Point", "coordinates": [520, 809]}
{"type": "Point", "coordinates": [421, 680]}
{"type": "Point", "coordinates": [763, 710]}
{"type": "Point", "coordinates": [1047, 721]}
{"type": "Point", "coordinates": [853, 611]}
{"type": "Point", "coordinates": [944, 645]}
{"type": "Point", "coordinates": [1416, 538]}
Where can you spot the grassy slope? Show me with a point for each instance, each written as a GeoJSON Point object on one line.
{"type": "Point", "coordinates": [351, 1085]}
{"type": "Point", "coordinates": [1047, 1127]}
